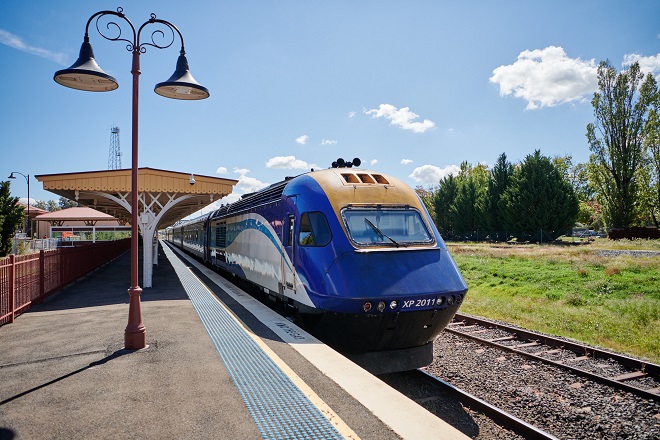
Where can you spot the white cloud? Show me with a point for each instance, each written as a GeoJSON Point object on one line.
{"type": "Point", "coordinates": [16, 42]}
{"type": "Point", "coordinates": [406, 161]}
{"type": "Point", "coordinates": [288, 163]}
{"type": "Point", "coordinates": [221, 170]}
{"type": "Point", "coordinates": [646, 64]}
{"type": "Point", "coordinates": [432, 175]}
{"type": "Point", "coordinates": [328, 142]}
{"type": "Point", "coordinates": [351, 115]}
{"type": "Point", "coordinates": [228, 199]}
{"type": "Point", "coordinates": [241, 171]}
{"type": "Point", "coordinates": [248, 184]}
{"type": "Point", "coordinates": [245, 185]}
{"type": "Point", "coordinates": [402, 117]}
{"type": "Point", "coordinates": [547, 78]}
{"type": "Point", "coordinates": [302, 139]}
{"type": "Point", "coordinates": [373, 161]}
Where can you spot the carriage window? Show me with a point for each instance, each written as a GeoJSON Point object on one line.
{"type": "Point", "coordinates": [220, 238]}
{"type": "Point", "coordinates": [390, 227]}
{"type": "Point", "coordinates": [289, 238]}
{"type": "Point", "coordinates": [314, 229]}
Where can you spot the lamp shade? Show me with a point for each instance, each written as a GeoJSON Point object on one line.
{"type": "Point", "coordinates": [181, 84]}
{"type": "Point", "coordinates": [85, 74]}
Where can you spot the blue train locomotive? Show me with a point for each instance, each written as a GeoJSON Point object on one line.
{"type": "Point", "coordinates": [353, 252]}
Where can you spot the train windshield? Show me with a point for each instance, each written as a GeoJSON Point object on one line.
{"type": "Point", "coordinates": [386, 226]}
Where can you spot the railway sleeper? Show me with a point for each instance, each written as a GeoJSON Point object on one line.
{"type": "Point", "coordinates": [576, 359]}
{"type": "Point", "coordinates": [525, 344]}
{"type": "Point", "coordinates": [502, 339]}
{"type": "Point", "coordinates": [629, 376]}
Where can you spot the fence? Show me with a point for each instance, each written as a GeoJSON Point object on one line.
{"type": "Point", "coordinates": [29, 279]}
{"type": "Point", "coordinates": [27, 246]}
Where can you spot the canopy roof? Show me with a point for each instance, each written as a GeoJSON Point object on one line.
{"type": "Point", "coordinates": [167, 195]}
{"type": "Point", "coordinates": [78, 213]}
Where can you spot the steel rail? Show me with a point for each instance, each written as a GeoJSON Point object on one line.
{"type": "Point", "coordinates": [649, 369]}
{"type": "Point", "coordinates": [498, 415]}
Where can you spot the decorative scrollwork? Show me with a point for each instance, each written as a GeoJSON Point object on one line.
{"type": "Point", "coordinates": [159, 38]}
{"type": "Point", "coordinates": [113, 30]}
{"type": "Point", "coordinates": [109, 28]}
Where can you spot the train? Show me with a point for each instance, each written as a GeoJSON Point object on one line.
{"type": "Point", "coordinates": [349, 253]}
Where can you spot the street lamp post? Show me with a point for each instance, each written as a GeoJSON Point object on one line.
{"type": "Point", "coordinates": [29, 220]}
{"type": "Point", "coordinates": [85, 74]}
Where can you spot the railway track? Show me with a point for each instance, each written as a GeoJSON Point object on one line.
{"type": "Point", "coordinates": [469, 414]}
{"type": "Point", "coordinates": [494, 413]}
{"type": "Point", "coordinates": [635, 376]}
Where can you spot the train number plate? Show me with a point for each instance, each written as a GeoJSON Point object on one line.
{"type": "Point", "coordinates": [418, 303]}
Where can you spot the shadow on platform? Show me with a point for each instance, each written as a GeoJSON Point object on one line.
{"type": "Point", "coordinates": [109, 285]}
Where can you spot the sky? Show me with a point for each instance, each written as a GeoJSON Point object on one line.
{"type": "Point", "coordinates": [411, 88]}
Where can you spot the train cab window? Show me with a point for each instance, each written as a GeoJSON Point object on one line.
{"type": "Point", "coordinates": [386, 226]}
{"type": "Point", "coordinates": [314, 229]}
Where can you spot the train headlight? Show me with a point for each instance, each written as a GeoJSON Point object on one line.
{"type": "Point", "coordinates": [450, 300]}
{"type": "Point", "coordinates": [366, 306]}
{"type": "Point", "coordinates": [394, 304]}
{"type": "Point", "coordinates": [440, 301]}
{"type": "Point", "coordinates": [381, 306]}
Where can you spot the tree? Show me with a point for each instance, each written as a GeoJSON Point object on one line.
{"type": "Point", "coordinates": [578, 176]}
{"type": "Point", "coordinates": [616, 140]}
{"type": "Point", "coordinates": [50, 205]}
{"type": "Point", "coordinates": [443, 201]}
{"type": "Point", "coordinates": [11, 216]}
{"type": "Point", "coordinates": [66, 203]}
{"type": "Point", "coordinates": [470, 203]}
{"type": "Point", "coordinates": [426, 196]}
{"type": "Point", "coordinates": [653, 146]}
{"type": "Point", "coordinates": [590, 214]}
{"type": "Point", "coordinates": [539, 203]}
{"type": "Point", "coordinates": [500, 177]}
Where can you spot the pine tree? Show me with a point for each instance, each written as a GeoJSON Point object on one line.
{"type": "Point", "coordinates": [539, 204]}
{"type": "Point", "coordinates": [442, 205]}
{"type": "Point", "coordinates": [11, 216]}
{"type": "Point", "coordinates": [500, 177]}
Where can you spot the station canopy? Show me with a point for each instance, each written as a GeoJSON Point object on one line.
{"type": "Point", "coordinates": [166, 195]}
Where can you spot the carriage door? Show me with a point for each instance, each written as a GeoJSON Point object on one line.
{"type": "Point", "coordinates": [288, 274]}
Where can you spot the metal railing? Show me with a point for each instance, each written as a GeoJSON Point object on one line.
{"type": "Point", "coordinates": [27, 246]}
{"type": "Point", "coordinates": [29, 279]}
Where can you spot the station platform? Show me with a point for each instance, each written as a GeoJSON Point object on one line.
{"type": "Point", "coordinates": [219, 365]}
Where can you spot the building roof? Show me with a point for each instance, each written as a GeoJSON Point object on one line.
{"type": "Point", "coordinates": [34, 211]}
{"type": "Point", "coordinates": [78, 213]}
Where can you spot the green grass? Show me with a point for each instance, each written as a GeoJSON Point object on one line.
{"type": "Point", "coordinates": [611, 302]}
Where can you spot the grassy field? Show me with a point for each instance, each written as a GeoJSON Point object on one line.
{"type": "Point", "coordinates": [569, 290]}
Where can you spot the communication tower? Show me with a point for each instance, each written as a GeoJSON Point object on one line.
{"type": "Point", "coordinates": [114, 154]}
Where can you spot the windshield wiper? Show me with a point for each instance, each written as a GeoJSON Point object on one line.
{"type": "Point", "coordinates": [379, 232]}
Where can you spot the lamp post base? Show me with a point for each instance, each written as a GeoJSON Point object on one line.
{"type": "Point", "coordinates": [135, 335]}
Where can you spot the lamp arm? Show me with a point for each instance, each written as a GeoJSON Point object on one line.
{"type": "Point", "coordinates": [158, 32]}
{"type": "Point", "coordinates": [111, 24]}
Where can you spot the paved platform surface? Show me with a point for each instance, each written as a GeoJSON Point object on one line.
{"type": "Point", "coordinates": [65, 375]}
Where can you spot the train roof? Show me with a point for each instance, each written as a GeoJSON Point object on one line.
{"type": "Point", "coordinates": [346, 177]}
{"type": "Point", "coordinates": [270, 194]}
